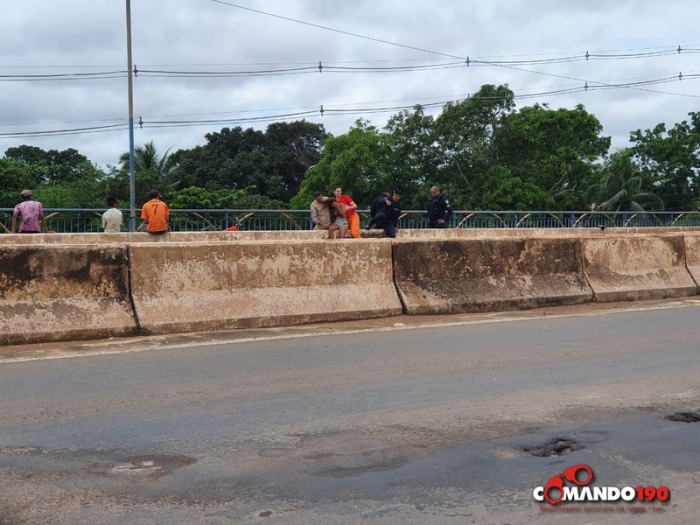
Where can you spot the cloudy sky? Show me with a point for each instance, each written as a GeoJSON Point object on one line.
{"type": "Point", "coordinates": [208, 64]}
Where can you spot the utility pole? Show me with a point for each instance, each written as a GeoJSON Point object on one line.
{"type": "Point", "coordinates": [132, 183]}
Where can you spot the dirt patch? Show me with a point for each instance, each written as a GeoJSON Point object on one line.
{"type": "Point", "coordinates": [554, 448]}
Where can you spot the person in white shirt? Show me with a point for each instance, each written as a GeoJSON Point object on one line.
{"type": "Point", "coordinates": [112, 219]}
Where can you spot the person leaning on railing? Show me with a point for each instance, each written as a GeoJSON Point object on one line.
{"type": "Point", "coordinates": [320, 213]}
{"type": "Point", "coordinates": [31, 215]}
{"type": "Point", "coordinates": [113, 218]}
{"type": "Point", "coordinates": [155, 214]}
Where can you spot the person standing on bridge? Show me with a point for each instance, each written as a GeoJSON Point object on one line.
{"type": "Point", "coordinates": [440, 210]}
{"type": "Point", "coordinates": [320, 212]}
{"type": "Point", "coordinates": [113, 218]}
{"type": "Point", "coordinates": [155, 214]}
{"type": "Point", "coordinates": [31, 215]}
{"type": "Point", "coordinates": [351, 213]}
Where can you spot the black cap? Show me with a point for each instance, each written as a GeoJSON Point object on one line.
{"type": "Point", "coordinates": [154, 193]}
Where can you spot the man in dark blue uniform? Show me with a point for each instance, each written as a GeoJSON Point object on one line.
{"type": "Point", "coordinates": [377, 208]}
{"type": "Point", "coordinates": [393, 214]}
{"type": "Point", "coordinates": [440, 210]}
{"type": "Point", "coordinates": [388, 211]}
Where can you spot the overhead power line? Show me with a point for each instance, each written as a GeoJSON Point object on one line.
{"type": "Point", "coordinates": [599, 55]}
{"type": "Point", "coordinates": [504, 64]}
{"type": "Point", "coordinates": [61, 132]}
{"type": "Point", "coordinates": [356, 35]}
{"type": "Point", "coordinates": [330, 110]}
{"type": "Point", "coordinates": [63, 76]}
{"type": "Point", "coordinates": [320, 67]}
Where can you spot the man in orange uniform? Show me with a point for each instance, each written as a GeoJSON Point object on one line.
{"type": "Point", "coordinates": [155, 214]}
{"type": "Point", "coordinates": [351, 214]}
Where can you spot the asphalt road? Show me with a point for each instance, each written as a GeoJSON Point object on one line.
{"type": "Point", "coordinates": [422, 420]}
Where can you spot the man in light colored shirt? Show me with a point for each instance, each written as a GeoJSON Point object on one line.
{"type": "Point", "coordinates": [112, 219]}
{"type": "Point", "coordinates": [31, 215]}
{"type": "Point", "coordinates": [320, 213]}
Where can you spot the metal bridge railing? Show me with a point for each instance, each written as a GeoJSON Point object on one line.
{"type": "Point", "coordinates": [72, 220]}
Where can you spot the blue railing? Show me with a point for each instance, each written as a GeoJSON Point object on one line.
{"type": "Point", "coordinates": [71, 220]}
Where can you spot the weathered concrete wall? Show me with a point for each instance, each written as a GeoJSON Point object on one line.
{"type": "Point", "coordinates": [498, 233]}
{"type": "Point", "coordinates": [284, 235]}
{"type": "Point", "coordinates": [184, 287]}
{"type": "Point", "coordinates": [223, 280]}
{"type": "Point", "coordinates": [53, 293]}
{"type": "Point", "coordinates": [692, 256]}
{"type": "Point", "coordinates": [463, 275]}
{"type": "Point", "coordinates": [173, 237]}
{"type": "Point", "coordinates": [637, 267]}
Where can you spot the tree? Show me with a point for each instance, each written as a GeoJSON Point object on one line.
{"type": "Point", "coordinates": [464, 134]}
{"type": "Point", "coordinates": [274, 161]}
{"type": "Point", "coordinates": [60, 179]}
{"type": "Point", "coordinates": [555, 150]}
{"type": "Point", "coordinates": [147, 158]}
{"type": "Point", "coordinates": [15, 176]}
{"type": "Point", "coordinates": [202, 199]}
{"type": "Point", "coordinates": [505, 191]}
{"type": "Point", "coordinates": [291, 149]}
{"type": "Point", "coordinates": [622, 187]}
{"type": "Point", "coordinates": [60, 166]}
{"type": "Point", "coordinates": [672, 161]}
{"type": "Point", "coordinates": [413, 162]}
{"type": "Point", "coordinates": [354, 160]}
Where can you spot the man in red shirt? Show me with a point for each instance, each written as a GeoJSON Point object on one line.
{"type": "Point", "coordinates": [155, 214]}
{"type": "Point", "coordinates": [351, 214]}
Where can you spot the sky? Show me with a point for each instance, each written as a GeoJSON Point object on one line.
{"type": "Point", "coordinates": [208, 64]}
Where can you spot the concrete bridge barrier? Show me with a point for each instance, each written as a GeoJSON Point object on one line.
{"type": "Point", "coordinates": [187, 287]}
{"type": "Point", "coordinates": [463, 275]}
{"type": "Point", "coordinates": [498, 233]}
{"type": "Point", "coordinates": [181, 237]}
{"type": "Point", "coordinates": [54, 293]}
{"type": "Point", "coordinates": [692, 256]}
{"type": "Point", "coordinates": [637, 267]}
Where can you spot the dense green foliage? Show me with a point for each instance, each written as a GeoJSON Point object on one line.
{"type": "Point", "coordinates": [482, 151]}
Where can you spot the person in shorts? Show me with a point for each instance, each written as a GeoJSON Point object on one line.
{"type": "Point", "coordinates": [339, 219]}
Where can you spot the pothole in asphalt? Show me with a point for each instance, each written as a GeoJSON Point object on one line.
{"type": "Point", "coordinates": [373, 467]}
{"type": "Point", "coordinates": [154, 466]}
{"type": "Point", "coordinates": [147, 467]}
{"type": "Point", "coordinates": [684, 417]}
{"type": "Point", "coordinates": [554, 448]}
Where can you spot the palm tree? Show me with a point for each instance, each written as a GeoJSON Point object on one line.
{"type": "Point", "coordinates": [620, 187]}
{"type": "Point", "coordinates": [146, 158]}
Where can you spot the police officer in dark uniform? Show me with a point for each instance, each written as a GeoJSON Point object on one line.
{"type": "Point", "coordinates": [376, 209]}
{"type": "Point", "coordinates": [440, 210]}
{"type": "Point", "coordinates": [387, 211]}
{"type": "Point", "coordinates": [393, 213]}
